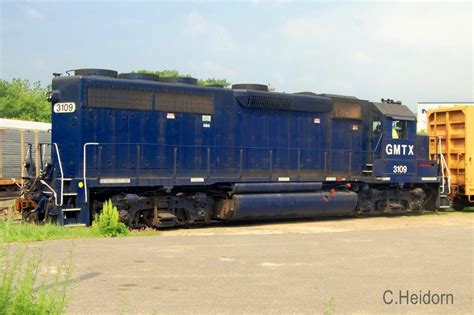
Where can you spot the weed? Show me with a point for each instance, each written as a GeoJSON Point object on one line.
{"type": "Point", "coordinates": [330, 306]}
{"type": "Point", "coordinates": [21, 291]}
{"type": "Point", "coordinates": [108, 221]}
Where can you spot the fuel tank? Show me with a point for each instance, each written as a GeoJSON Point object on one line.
{"type": "Point", "coordinates": [285, 205]}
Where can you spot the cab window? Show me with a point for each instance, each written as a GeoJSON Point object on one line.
{"type": "Point", "coordinates": [399, 129]}
{"type": "Point", "coordinates": [376, 126]}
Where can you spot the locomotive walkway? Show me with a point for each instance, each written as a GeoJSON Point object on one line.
{"type": "Point", "coordinates": [304, 267]}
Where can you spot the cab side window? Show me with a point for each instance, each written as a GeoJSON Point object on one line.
{"type": "Point", "coordinates": [399, 130]}
{"type": "Point", "coordinates": [377, 126]}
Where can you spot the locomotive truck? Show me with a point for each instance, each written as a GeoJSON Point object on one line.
{"type": "Point", "coordinates": [168, 152]}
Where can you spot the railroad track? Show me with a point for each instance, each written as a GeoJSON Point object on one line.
{"type": "Point", "coordinates": [7, 195]}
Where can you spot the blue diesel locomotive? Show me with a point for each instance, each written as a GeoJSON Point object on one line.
{"type": "Point", "coordinates": [168, 152]}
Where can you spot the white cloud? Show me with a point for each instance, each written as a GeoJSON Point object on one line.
{"type": "Point", "coordinates": [196, 24]}
{"type": "Point", "coordinates": [418, 51]}
{"type": "Point", "coordinates": [360, 56]}
{"type": "Point", "coordinates": [210, 34]}
{"type": "Point", "coordinates": [422, 25]}
{"type": "Point", "coordinates": [33, 13]}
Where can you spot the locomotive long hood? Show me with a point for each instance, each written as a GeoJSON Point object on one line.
{"type": "Point", "coordinates": [283, 101]}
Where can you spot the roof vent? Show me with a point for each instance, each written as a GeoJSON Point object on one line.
{"type": "Point", "coordinates": [250, 86]}
{"type": "Point", "coordinates": [101, 72]}
{"type": "Point", "coordinates": [306, 93]}
{"type": "Point", "coordinates": [183, 80]}
{"type": "Point", "coordinates": [139, 76]}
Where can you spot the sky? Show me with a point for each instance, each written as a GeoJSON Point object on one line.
{"type": "Point", "coordinates": [413, 51]}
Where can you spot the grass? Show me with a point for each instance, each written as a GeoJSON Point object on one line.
{"type": "Point", "coordinates": [330, 306]}
{"type": "Point", "coordinates": [29, 286]}
{"type": "Point", "coordinates": [26, 232]}
{"type": "Point", "coordinates": [449, 211]}
{"type": "Point", "coordinates": [12, 231]}
{"type": "Point", "coordinates": [428, 212]}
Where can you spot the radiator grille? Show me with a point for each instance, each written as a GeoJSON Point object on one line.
{"type": "Point", "coordinates": [184, 103]}
{"type": "Point", "coordinates": [102, 97]}
{"type": "Point", "coordinates": [349, 109]}
{"type": "Point", "coordinates": [119, 98]}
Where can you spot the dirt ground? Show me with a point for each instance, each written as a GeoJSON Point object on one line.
{"type": "Point", "coordinates": [5, 205]}
{"type": "Point", "coordinates": [291, 267]}
{"type": "Point", "coordinates": [325, 225]}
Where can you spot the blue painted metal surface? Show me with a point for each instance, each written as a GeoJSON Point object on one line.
{"type": "Point", "coordinates": [247, 137]}
{"type": "Point", "coordinates": [247, 188]}
{"type": "Point", "coordinates": [292, 205]}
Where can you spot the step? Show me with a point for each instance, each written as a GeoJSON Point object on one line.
{"type": "Point", "coordinates": [66, 179]}
{"type": "Point", "coordinates": [70, 194]}
{"type": "Point", "coordinates": [444, 207]}
{"type": "Point", "coordinates": [367, 171]}
{"type": "Point", "coordinates": [369, 165]}
{"type": "Point", "coordinates": [74, 225]}
{"type": "Point", "coordinates": [71, 209]}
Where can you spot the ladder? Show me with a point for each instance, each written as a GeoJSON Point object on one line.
{"type": "Point", "coordinates": [445, 187]}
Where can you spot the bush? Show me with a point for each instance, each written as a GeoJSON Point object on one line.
{"type": "Point", "coordinates": [108, 221]}
{"type": "Point", "coordinates": [20, 99]}
{"type": "Point", "coordinates": [20, 292]}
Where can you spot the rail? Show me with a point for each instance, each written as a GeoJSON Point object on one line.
{"type": "Point", "coordinates": [58, 201]}
{"type": "Point", "coordinates": [444, 165]}
{"type": "Point", "coordinates": [378, 143]}
{"type": "Point", "coordinates": [84, 170]}
{"type": "Point", "coordinates": [53, 191]}
{"type": "Point", "coordinates": [61, 172]}
{"type": "Point", "coordinates": [147, 160]}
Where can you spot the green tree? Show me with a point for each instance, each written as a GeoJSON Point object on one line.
{"type": "Point", "coordinates": [175, 73]}
{"type": "Point", "coordinates": [21, 100]}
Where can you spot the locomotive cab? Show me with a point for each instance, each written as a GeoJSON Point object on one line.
{"type": "Point", "coordinates": [397, 153]}
{"type": "Point", "coordinates": [400, 159]}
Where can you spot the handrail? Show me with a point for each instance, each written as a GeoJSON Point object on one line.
{"type": "Point", "coordinates": [444, 164]}
{"type": "Point", "coordinates": [342, 154]}
{"type": "Point", "coordinates": [57, 202]}
{"type": "Point", "coordinates": [54, 192]}
{"type": "Point", "coordinates": [84, 170]}
{"type": "Point", "coordinates": [217, 146]}
{"type": "Point", "coordinates": [62, 173]}
{"type": "Point", "coordinates": [440, 154]}
{"type": "Point", "coordinates": [378, 142]}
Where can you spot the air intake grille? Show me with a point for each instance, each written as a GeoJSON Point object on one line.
{"type": "Point", "coordinates": [102, 97]}
{"type": "Point", "coordinates": [269, 102]}
{"type": "Point", "coordinates": [348, 109]}
{"type": "Point", "coordinates": [119, 98]}
{"type": "Point", "coordinates": [184, 103]}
